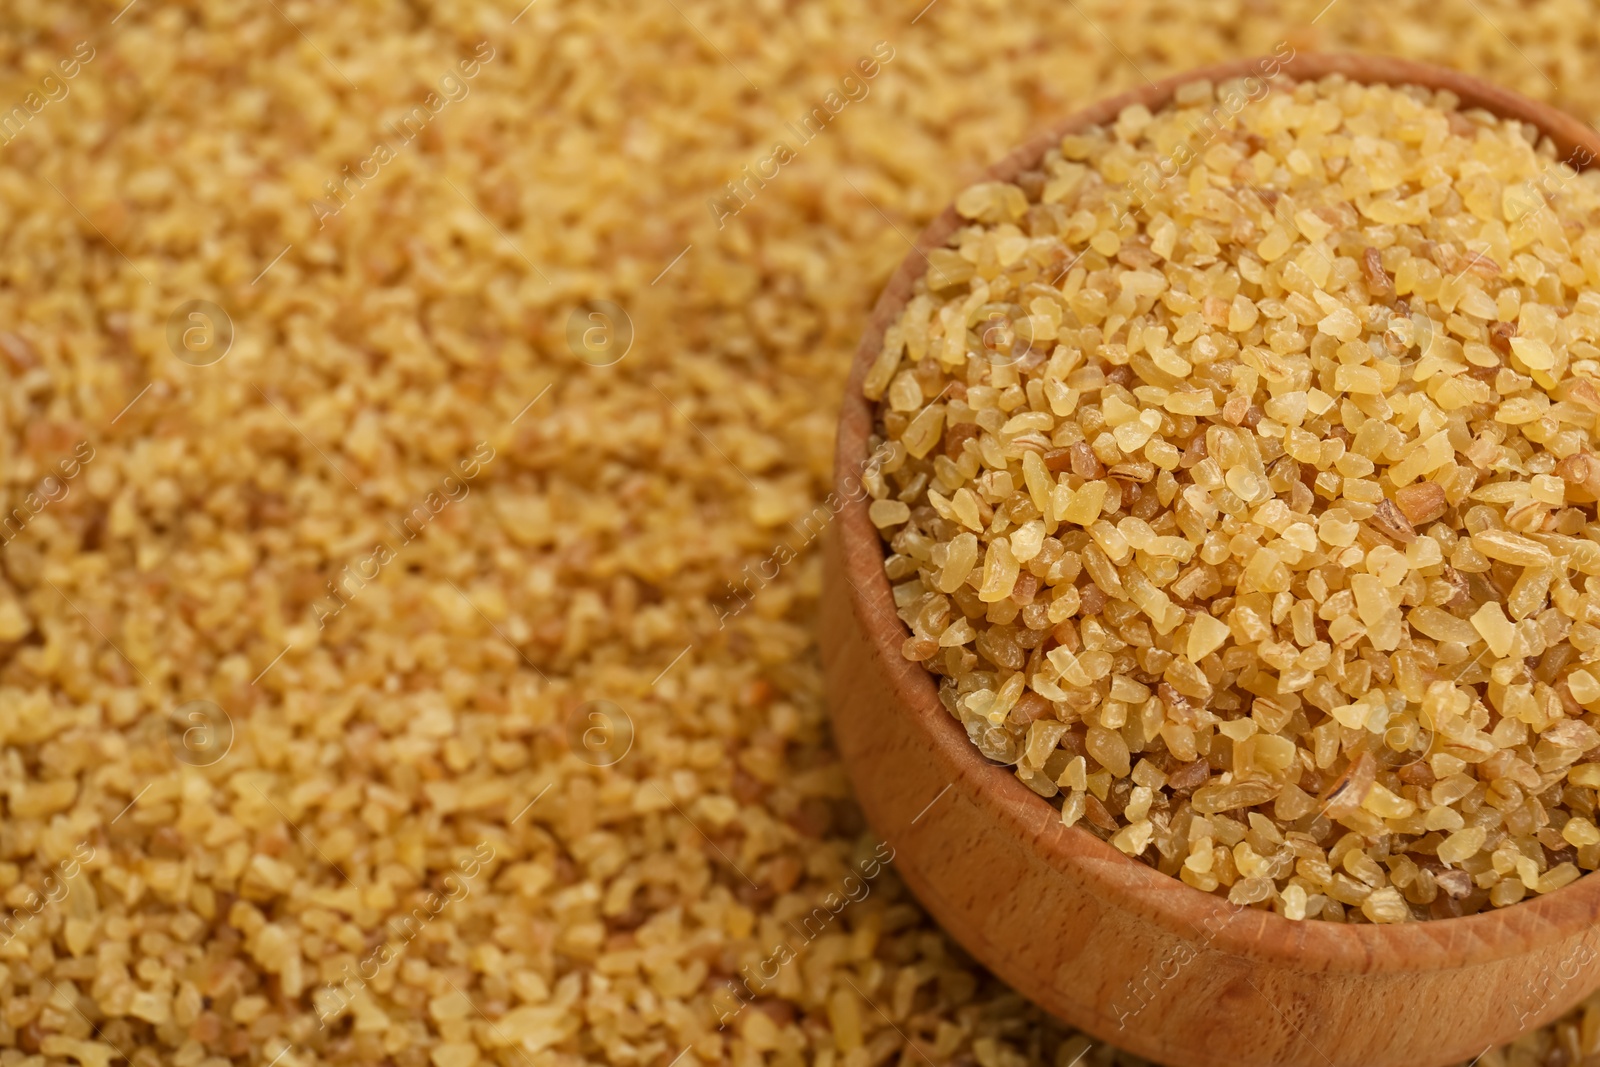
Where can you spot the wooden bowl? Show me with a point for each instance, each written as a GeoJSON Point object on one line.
{"type": "Point", "coordinates": [1110, 945]}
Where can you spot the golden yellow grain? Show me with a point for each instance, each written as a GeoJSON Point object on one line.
{"type": "Point", "coordinates": [607, 930]}
{"type": "Point", "coordinates": [1295, 483]}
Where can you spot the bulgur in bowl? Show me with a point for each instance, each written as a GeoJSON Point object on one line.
{"type": "Point", "coordinates": [987, 810]}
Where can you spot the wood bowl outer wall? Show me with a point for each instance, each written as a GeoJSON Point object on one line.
{"type": "Point", "coordinates": [1130, 955]}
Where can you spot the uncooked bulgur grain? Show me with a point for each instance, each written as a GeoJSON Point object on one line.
{"type": "Point", "coordinates": [1244, 495]}
{"type": "Point", "coordinates": [192, 142]}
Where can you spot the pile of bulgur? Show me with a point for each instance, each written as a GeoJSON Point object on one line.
{"type": "Point", "coordinates": [1242, 490]}
{"type": "Point", "coordinates": [212, 922]}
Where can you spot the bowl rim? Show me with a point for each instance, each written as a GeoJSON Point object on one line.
{"type": "Point", "coordinates": [1117, 879]}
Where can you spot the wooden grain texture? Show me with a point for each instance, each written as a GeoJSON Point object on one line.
{"type": "Point", "coordinates": [1112, 946]}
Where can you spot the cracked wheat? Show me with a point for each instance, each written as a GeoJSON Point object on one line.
{"type": "Point", "coordinates": [1248, 507]}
